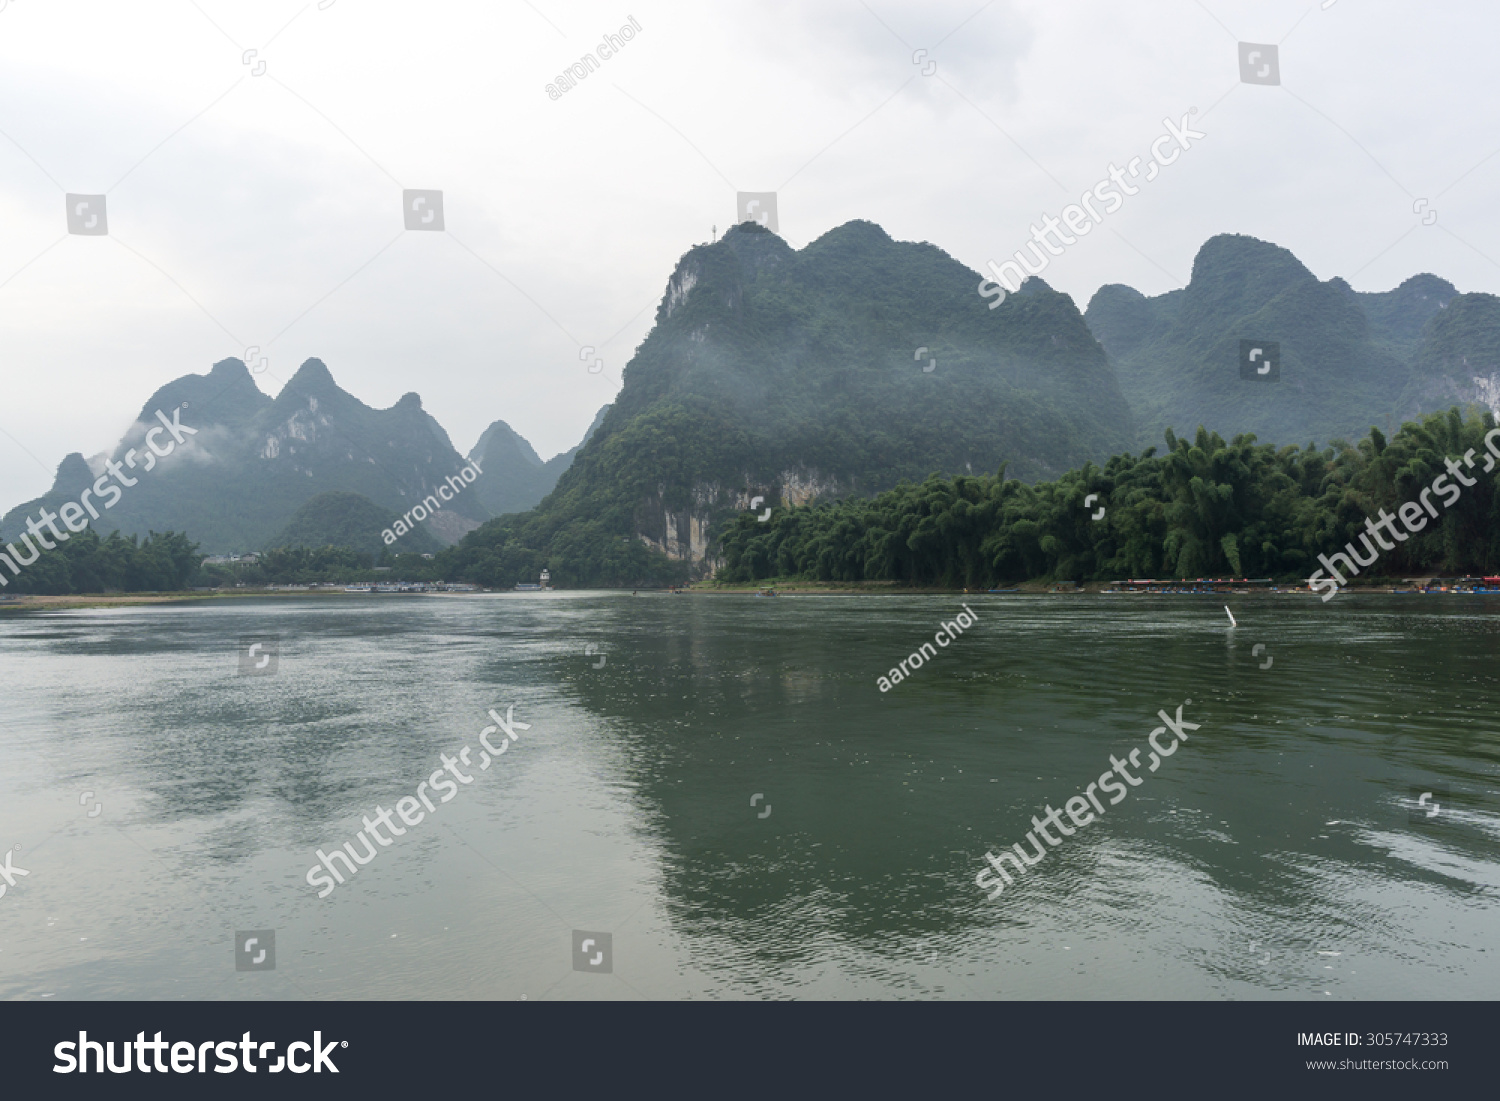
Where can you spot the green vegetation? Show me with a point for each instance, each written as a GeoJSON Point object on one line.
{"type": "Point", "coordinates": [1205, 508]}
{"type": "Point", "coordinates": [86, 563]}
{"type": "Point", "coordinates": [1348, 359]}
{"type": "Point", "coordinates": [117, 563]}
{"type": "Point", "coordinates": [1460, 347]}
{"type": "Point", "coordinates": [581, 531]}
{"type": "Point", "coordinates": [802, 375]}
{"type": "Point", "coordinates": [770, 370]}
{"type": "Point", "coordinates": [318, 565]}
{"type": "Point", "coordinates": [342, 519]}
{"type": "Point", "coordinates": [808, 359]}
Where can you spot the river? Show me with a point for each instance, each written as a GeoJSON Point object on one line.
{"type": "Point", "coordinates": [715, 795]}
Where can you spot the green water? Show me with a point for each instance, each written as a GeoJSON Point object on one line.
{"type": "Point", "coordinates": [1279, 853]}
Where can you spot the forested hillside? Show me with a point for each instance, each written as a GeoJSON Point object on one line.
{"type": "Point", "coordinates": [1203, 508]}
{"type": "Point", "coordinates": [836, 370]}
{"type": "Point", "coordinates": [1178, 354]}
{"type": "Point", "coordinates": [1348, 359]}
{"type": "Point", "coordinates": [349, 520]}
{"type": "Point", "coordinates": [781, 378]}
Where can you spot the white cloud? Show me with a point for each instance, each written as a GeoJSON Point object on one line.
{"type": "Point", "coordinates": [578, 209]}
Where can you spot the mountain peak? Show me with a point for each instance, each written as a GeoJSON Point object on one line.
{"type": "Point", "coordinates": [1427, 285]}
{"type": "Point", "coordinates": [229, 369]}
{"type": "Point", "coordinates": [1249, 257]}
{"type": "Point", "coordinates": [858, 230]}
{"type": "Point", "coordinates": [71, 472]}
{"type": "Point", "coordinates": [754, 246]}
{"type": "Point", "coordinates": [313, 374]}
{"type": "Point", "coordinates": [500, 442]}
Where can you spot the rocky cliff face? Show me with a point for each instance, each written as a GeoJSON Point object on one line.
{"type": "Point", "coordinates": [686, 534]}
{"type": "Point", "coordinates": [1458, 358]}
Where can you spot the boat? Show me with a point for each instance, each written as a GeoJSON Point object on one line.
{"type": "Point", "coordinates": [1004, 590]}
{"type": "Point", "coordinates": [767, 592]}
{"type": "Point", "coordinates": [359, 588]}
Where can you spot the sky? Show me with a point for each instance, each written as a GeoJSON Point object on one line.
{"type": "Point", "coordinates": [254, 158]}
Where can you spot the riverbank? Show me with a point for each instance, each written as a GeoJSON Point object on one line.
{"type": "Point", "coordinates": [1027, 588]}
{"type": "Point", "coordinates": [30, 602]}
{"type": "Point", "coordinates": [97, 600]}
{"type": "Point", "coordinates": [797, 588]}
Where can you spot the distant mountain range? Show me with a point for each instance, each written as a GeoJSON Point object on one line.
{"type": "Point", "coordinates": [774, 377]}
{"type": "Point", "coordinates": [1348, 360]}
{"type": "Point", "coordinates": [259, 471]}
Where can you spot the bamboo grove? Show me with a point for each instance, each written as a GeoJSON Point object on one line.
{"type": "Point", "coordinates": [1203, 508]}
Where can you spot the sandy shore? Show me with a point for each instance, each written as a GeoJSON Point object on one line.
{"type": "Point", "coordinates": [96, 600]}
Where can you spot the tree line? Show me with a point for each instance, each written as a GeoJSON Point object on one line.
{"type": "Point", "coordinates": [1202, 508]}
{"type": "Point", "coordinates": [89, 563]}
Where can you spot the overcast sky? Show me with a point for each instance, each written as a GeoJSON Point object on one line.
{"type": "Point", "coordinates": [265, 208]}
